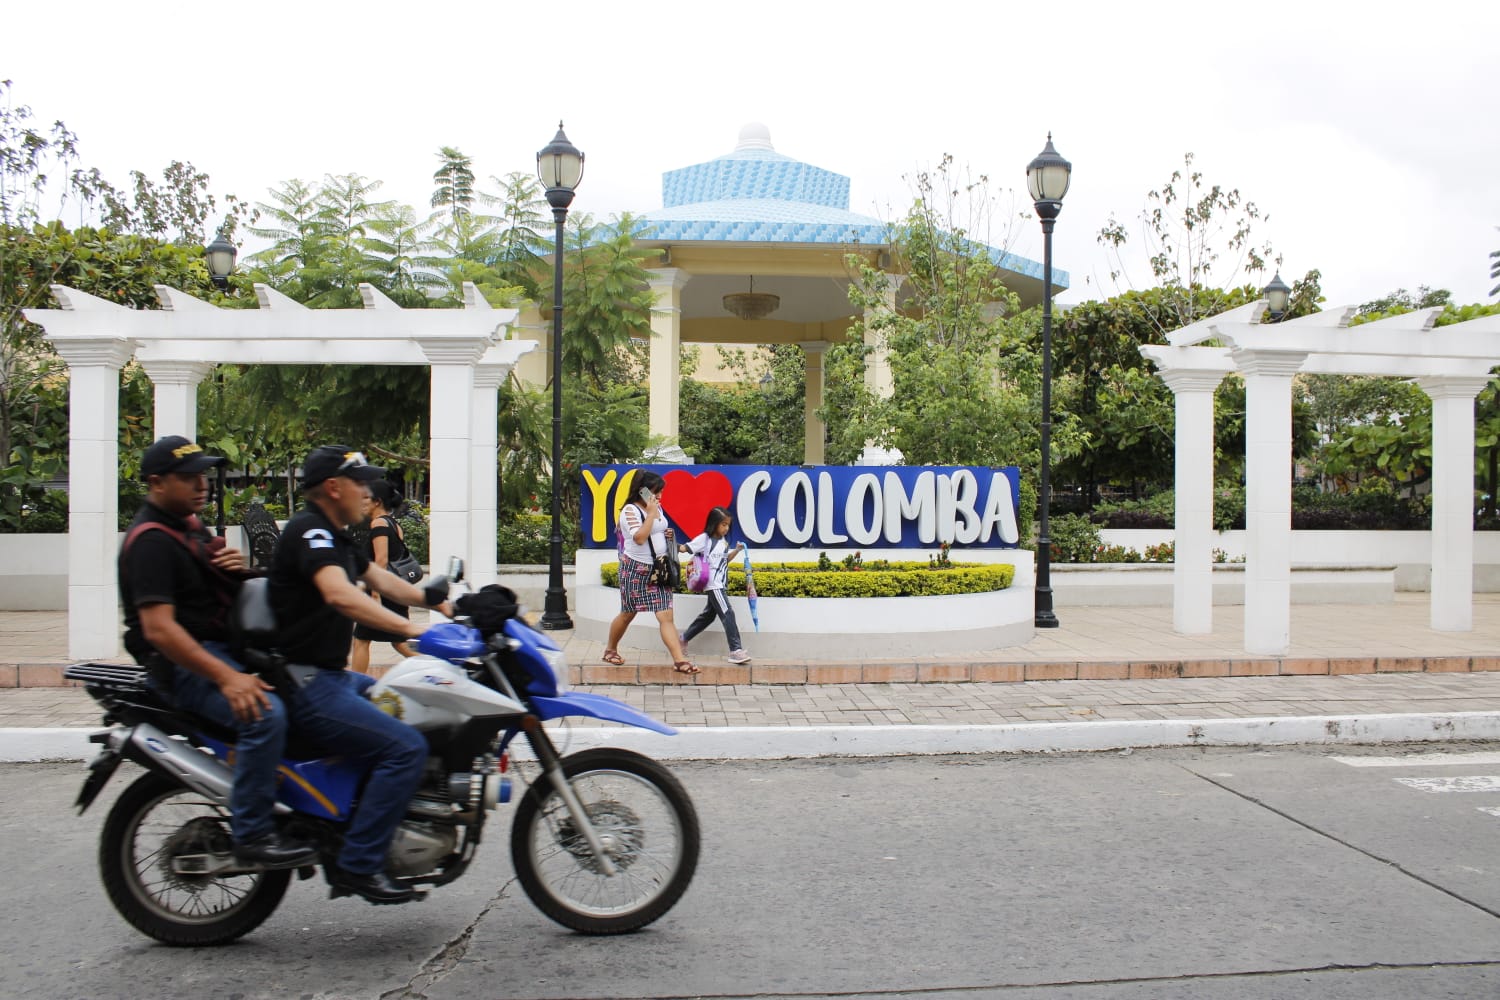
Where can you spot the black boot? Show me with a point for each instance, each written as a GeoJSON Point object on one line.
{"type": "Point", "coordinates": [377, 887]}
{"type": "Point", "coordinates": [275, 851]}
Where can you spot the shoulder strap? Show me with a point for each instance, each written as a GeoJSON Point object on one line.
{"type": "Point", "coordinates": [198, 552]}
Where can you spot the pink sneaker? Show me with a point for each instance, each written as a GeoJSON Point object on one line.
{"type": "Point", "coordinates": [738, 656]}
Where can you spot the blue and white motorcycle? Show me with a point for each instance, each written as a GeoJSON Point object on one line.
{"type": "Point", "coordinates": [604, 841]}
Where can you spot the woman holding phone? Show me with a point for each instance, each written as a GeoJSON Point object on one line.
{"type": "Point", "coordinates": [643, 535]}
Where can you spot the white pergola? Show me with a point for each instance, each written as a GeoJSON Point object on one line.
{"type": "Point", "coordinates": [1451, 364]}
{"type": "Point", "coordinates": [179, 345]}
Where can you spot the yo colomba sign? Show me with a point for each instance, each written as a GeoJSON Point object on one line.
{"type": "Point", "coordinates": [818, 506]}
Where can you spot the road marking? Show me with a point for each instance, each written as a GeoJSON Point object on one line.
{"type": "Point", "coordinates": [1464, 783]}
{"type": "Point", "coordinates": [1492, 810]}
{"type": "Point", "coordinates": [1422, 760]}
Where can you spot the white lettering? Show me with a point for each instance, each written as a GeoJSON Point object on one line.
{"type": "Point", "coordinates": [1000, 511]}
{"type": "Point", "coordinates": [965, 496]}
{"type": "Point", "coordinates": [794, 531]}
{"type": "Point", "coordinates": [945, 509]}
{"type": "Point", "coordinates": [921, 505]}
{"type": "Point", "coordinates": [826, 534]}
{"type": "Point", "coordinates": [744, 506]}
{"type": "Point", "coordinates": [863, 532]}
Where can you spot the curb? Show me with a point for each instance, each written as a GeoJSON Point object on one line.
{"type": "Point", "coordinates": [792, 742]}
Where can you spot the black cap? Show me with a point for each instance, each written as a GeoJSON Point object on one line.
{"type": "Point", "coordinates": [176, 454]}
{"type": "Point", "coordinates": [332, 460]}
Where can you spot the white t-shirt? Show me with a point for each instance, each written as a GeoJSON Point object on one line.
{"type": "Point", "coordinates": [717, 551]}
{"type": "Point", "coordinates": [631, 519]}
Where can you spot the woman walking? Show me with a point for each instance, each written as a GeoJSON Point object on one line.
{"type": "Point", "coordinates": [644, 535]}
{"type": "Point", "coordinates": [387, 543]}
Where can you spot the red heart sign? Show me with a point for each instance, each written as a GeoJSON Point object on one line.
{"type": "Point", "coordinates": [687, 499]}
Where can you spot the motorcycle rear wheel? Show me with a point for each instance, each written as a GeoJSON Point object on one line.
{"type": "Point", "coordinates": [647, 823]}
{"type": "Point", "coordinates": [154, 819]}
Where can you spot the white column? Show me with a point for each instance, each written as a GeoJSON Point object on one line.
{"type": "Point", "coordinates": [1193, 525]}
{"type": "Point", "coordinates": [666, 357]}
{"type": "Point", "coordinates": [175, 393]}
{"type": "Point", "coordinates": [450, 424]}
{"type": "Point", "coordinates": [1452, 608]}
{"type": "Point", "coordinates": [1268, 497]}
{"type": "Point", "coordinates": [484, 472]}
{"type": "Point", "coordinates": [813, 428]}
{"type": "Point", "coordinates": [878, 379]}
{"type": "Point", "coordinates": [93, 495]}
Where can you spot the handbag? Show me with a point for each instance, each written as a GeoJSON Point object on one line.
{"type": "Point", "coordinates": [407, 567]}
{"type": "Point", "coordinates": [665, 571]}
{"type": "Point", "coordinates": [699, 573]}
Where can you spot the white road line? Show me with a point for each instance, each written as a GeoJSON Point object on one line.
{"type": "Point", "coordinates": [1462, 783]}
{"type": "Point", "coordinates": [1423, 760]}
{"type": "Point", "coordinates": [1492, 810]}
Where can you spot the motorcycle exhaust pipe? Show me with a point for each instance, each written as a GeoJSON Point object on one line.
{"type": "Point", "coordinates": [202, 772]}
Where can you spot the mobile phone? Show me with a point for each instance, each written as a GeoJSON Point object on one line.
{"type": "Point", "coordinates": [646, 495]}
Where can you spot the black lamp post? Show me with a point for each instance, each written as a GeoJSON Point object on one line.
{"type": "Point", "coordinates": [220, 255]}
{"type": "Point", "coordinates": [1278, 295]}
{"type": "Point", "coordinates": [1047, 179]}
{"type": "Point", "coordinates": [560, 167]}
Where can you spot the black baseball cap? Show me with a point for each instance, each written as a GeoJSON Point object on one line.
{"type": "Point", "coordinates": [330, 460]}
{"type": "Point", "coordinates": [176, 453]}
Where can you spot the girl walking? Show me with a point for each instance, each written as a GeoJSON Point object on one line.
{"type": "Point", "coordinates": [714, 546]}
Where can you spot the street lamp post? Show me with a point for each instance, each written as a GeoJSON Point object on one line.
{"type": "Point", "coordinates": [1278, 295]}
{"type": "Point", "coordinates": [1047, 179]}
{"type": "Point", "coordinates": [559, 166]}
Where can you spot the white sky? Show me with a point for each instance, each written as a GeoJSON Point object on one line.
{"type": "Point", "coordinates": [1370, 134]}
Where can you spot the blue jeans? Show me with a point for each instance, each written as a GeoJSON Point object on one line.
{"type": "Point", "coordinates": [257, 753]}
{"type": "Point", "coordinates": [332, 711]}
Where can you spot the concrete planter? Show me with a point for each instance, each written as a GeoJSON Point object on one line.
{"type": "Point", "coordinates": [1150, 584]}
{"type": "Point", "coordinates": [835, 627]}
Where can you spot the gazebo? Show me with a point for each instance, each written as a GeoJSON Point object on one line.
{"type": "Point", "coordinates": [753, 252]}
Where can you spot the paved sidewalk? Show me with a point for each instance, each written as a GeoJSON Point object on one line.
{"type": "Point", "coordinates": [1103, 666]}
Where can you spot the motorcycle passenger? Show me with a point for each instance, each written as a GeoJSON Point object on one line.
{"type": "Point", "coordinates": [176, 584]}
{"type": "Point", "coordinates": [313, 591]}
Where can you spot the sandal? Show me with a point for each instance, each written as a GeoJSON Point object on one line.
{"type": "Point", "coordinates": [686, 667]}
{"type": "Point", "coordinates": [612, 657]}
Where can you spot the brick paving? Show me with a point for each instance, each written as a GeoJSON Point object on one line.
{"type": "Point", "coordinates": [1104, 664]}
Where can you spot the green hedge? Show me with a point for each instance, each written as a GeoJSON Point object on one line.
{"type": "Point", "coordinates": [901, 579]}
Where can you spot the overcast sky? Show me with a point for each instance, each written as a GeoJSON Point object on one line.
{"type": "Point", "coordinates": [1370, 134]}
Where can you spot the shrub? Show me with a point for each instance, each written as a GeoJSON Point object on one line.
{"type": "Point", "coordinates": [1167, 552]}
{"type": "Point", "coordinates": [527, 539]}
{"type": "Point", "coordinates": [894, 579]}
{"type": "Point", "coordinates": [1155, 511]}
{"type": "Point", "coordinates": [1074, 538]}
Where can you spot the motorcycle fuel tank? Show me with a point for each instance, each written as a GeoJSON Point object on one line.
{"type": "Point", "coordinates": [433, 694]}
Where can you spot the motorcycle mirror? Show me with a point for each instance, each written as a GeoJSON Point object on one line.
{"type": "Point", "coordinates": [455, 569]}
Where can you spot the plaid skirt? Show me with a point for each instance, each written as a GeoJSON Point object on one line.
{"type": "Point", "coordinates": [637, 593]}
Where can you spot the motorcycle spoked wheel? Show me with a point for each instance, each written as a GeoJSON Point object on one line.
{"type": "Point", "coordinates": [647, 823]}
{"type": "Point", "coordinates": [154, 820]}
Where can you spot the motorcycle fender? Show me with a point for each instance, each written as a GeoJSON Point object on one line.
{"type": "Point", "coordinates": [101, 769]}
{"type": "Point", "coordinates": [596, 706]}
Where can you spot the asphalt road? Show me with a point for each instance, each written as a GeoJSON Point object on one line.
{"type": "Point", "coordinates": [1204, 874]}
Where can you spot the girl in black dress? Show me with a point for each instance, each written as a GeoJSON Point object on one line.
{"type": "Point", "coordinates": [386, 543]}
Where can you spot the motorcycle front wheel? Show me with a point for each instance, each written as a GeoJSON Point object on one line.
{"type": "Point", "coordinates": [646, 824]}
{"type": "Point", "coordinates": [156, 820]}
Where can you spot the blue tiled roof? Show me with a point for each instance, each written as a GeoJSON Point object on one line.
{"type": "Point", "coordinates": [757, 195]}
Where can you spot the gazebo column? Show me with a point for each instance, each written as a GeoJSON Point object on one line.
{"type": "Point", "coordinates": [93, 498]}
{"type": "Point", "coordinates": [878, 379]}
{"type": "Point", "coordinates": [1193, 520]}
{"type": "Point", "coordinates": [1452, 499]}
{"type": "Point", "coordinates": [813, 429]}
{"type": "Point", "coordinates": [175, 394]}
{"type": "Point", "coordinates": [453, 375]}
{"type": "Point", "coordinates": [484, 440]}
{"type": "Point", "coordinates": [1268, 496]}
{"type": "Point", "coordinates": [665, 359]}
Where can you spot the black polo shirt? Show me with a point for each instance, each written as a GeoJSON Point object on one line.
{"type": "Point", "coordinates": [156, 568]}
{"type": "Point", "coordinates": [311, 630]}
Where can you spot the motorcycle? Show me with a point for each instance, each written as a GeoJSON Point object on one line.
{"type": "Point", "coordinates": [604, 841]}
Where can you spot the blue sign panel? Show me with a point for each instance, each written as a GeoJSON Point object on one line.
{"type": "Point", "coordinates": [836, 506]}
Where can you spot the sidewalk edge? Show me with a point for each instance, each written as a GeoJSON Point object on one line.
{"type": "Point", "coordinates": [791, 742]}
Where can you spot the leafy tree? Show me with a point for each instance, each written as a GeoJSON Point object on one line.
{"type": "Point", "coordinates": [1197, 237]}
{"type": "Point", "coordinates": [606, 300]}
{"type": "Point", "coordinates": [759, 420]}
{"type": "Point", "coordinates": [455, 184]}
{"type": "Point", "coordinates": [965, 373]}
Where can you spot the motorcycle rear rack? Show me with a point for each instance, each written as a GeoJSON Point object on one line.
{"type": "Point", "coordinates": [119, 678]}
